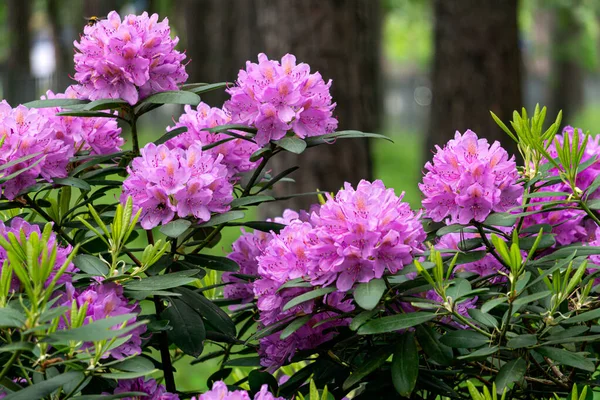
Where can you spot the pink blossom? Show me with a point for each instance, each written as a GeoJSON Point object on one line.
{"type": "Point", "coordinates": [98, 135]}
{"type": "Point", "coordinates": [129, 58]}
{"type": "Point", "coordinates": [278, 97]}
{"type": "Point", "coordinates": [236, 152]}
{"type": "Point", "coordinates": [165, 182]}
{"type": "Point", "coordinates": [30, 132]}
{"type": "Point", "coordinates": [468, 179]}
{"type": "Point", "coordinates": [153, 390]}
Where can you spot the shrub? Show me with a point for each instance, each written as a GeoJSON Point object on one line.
{"type": "Point", "coordinates": [487, 292]}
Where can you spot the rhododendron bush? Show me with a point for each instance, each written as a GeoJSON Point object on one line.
{"type": "Point", "coordinates": [109, 287]}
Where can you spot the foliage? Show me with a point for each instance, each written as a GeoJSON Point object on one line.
{"type": "Point", "coordinates": [487, 292]}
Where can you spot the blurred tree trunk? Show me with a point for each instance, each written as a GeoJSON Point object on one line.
{"type": "Point", "coordinates": [63, 52]}
{"type": "Point", "coordinates": [18, 84]}
{"type": "Point", "coordinates": [100, 8]}
{"type": "Point", "coordinates": [340, 39]}
{"type": "Point", "coordinates": [567, 72]}
{"type": "Point", "coordinates": [219, 36]}
{"type": "Point", "coordinates": [476, 69]}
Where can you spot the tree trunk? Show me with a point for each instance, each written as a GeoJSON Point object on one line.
{"type": "Point", "coordinates": [567, 72]}
{"type": "Point", "coordinates": [476, 69]}
{"type": "Point", "coordinates": [18, 84]}
{"type": "Point", "coordinates": [219, 36]}
{"type": "Point", "coordinates": [340, 39]}
{"type": "Point", "coordinates": [63, 52]}
{"type": "Point", "coordinates": [100, 8]}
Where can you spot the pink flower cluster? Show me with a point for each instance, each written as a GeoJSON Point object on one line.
{"type": "Point", "coordinates": [356, 236]}
{"type": "Point", "coordinates": [568, 225]}
{"type": "Point", "coordinates": [105, 300]}
{"type": "Point", "coordinates": [129, 58]}
{"type": "Point", "coordinates": [469, 179]}
{"type": "Point", "coordinates": [165, 182]}
{"type": "Point", "coordinates": [277, 97]}
{"type": "Point", "coordinates": [361, 234]}
{"type": "Point", "coordinates": [23, 230]}
{"type": "Point", "coordinates": [98, 135]}
{"type": "Point", "coordinates": [29, 132]}
{"type": "Point", "coordinates": [236, 153]}
{"type": "Point", "coordinates": [153, 390]}
{"type": "Point", "coordinates": [220, 391]}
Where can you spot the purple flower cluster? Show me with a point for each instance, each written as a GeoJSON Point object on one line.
{"type": "Point", "coordinates": [29, 132]}
{"type": "Point", "coordinates": [568, 225]}
{"type": "Point", "coordinates": [23, 230]}
{"type": "Point", "coordinates": [165, 182]}
{"type": "Point", "coordinates": [98, 135]}
{"type": "Point", "coordinates": [275, 97]}
{"type": "Point", "coordinates": [361, 234]}
{"type": "Point", "coordinates": [220, 391]}
{"type": "Point", "coordinates": [153, 390]}
{"type": "Point", "coordinates": [468, 179]}
{"type": "Point", "coordinates": [129, 58]}
{"type": "Point", "coordinates": [105, 300]}
{"type": "Point", "coordinates": [236, 153]}
{"type": "Point", "coordinates": [356, 236]}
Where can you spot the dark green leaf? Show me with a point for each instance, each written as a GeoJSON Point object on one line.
{"type": "Point", "coordinates": [44, 388]}
{"type": "Point", "coordinates": [491, 304]}
{"type": "Point", "coordinates": [87, 114]}
{"type": "Point", "coordinates": [484, 319]}
{"type": "Point", "coordinates": [464, 339]}
{"type": "Point", "coordinates": [521, 341]}
{"type": "Point", "coordinates": [370, 365]}
{"type": "Point", "coordinates": [135, 364]}
{"type": "Point", "coordinates": [405, 364]}
{"type": "Point", "coordinates": [245, 201]}
{"type": "Point", "coordinates": [212, 262]}
{"type": "Point", "coordinates": [166, 281]}
{"type": "Point", "coordinates": [472, 256]}
{"type": "Point", "coordinates": [566, 357]}
{"type": "Point", "coordinates": [11, 318]}
{"type": "Point", "coordinates": [294, 326]}
{"type": "Point", "coordinates": [331, 137]}
{"type": "Point", "coordinates": [260, 153]}
{"type": "Point", "coordinates": [203, 88]}
{"type": "Point", "coordinates": [170, 135]}
{"type": "Point", "coordinates": [512, 371]}
{"type": "Point", "coordinates": [362, 318]}
{"type": "Point", "coordinates": [450, 229]}
{"type": "Point", "coordinates": [268, 185]}
{"type": "Point", "coordinates": [17, 346]}
{"type": "Point", "coordinates": [48, 103]}
{"type": "Point", "coordinates": [480, 353]}
{"type": "Point", "coordinates": [545, 242]}
{"type": "Point", "coordinates": [175, 228]}
{"type": "Point", "coordinates": [206, 308]}
{"type": "Point", "coordinates": [235, 127]}
{"type": "Point", "coordinates": [74, 182]}
{"type": "Point", "coordinates": [313, 294]}
{"type": "Point", "coordinates": [91, 265]}
{"type": "Point", "coordinates": [189, 332]}
{"type": "Point", "coordinates": [293, 144]}
{"type": "Point", "coordinates": [101, 329]}
{"type": "Point", "coordinates": [368, 294]}
{"type": "Point", "coordinates": [222, 218]}
{"type": "Point", "coordinates": [584, 317]}
{"type": "Point", "coordinates": [121, 395]}
{"type": "Point", "coordinates": [258, 378]}
{"type": "Point", "coordinates": [104, 104]}
{"type": "Point", "coordinates": [244, 362]}
{"type": "Point", "coordinates": [531, 298]}
{"type": "Point", "coordinates": [263, 226]}
{"type": "Point", "coordinates": [500, 219]}
{"type": "Point", "coordinates": [395, 322]}
{"type": "Point", "coordinates": [173, 97]}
